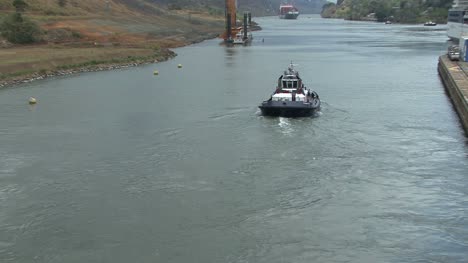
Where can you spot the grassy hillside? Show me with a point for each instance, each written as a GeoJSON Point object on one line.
{"type": "Point", "coordinates": [124, 21]}
{"type": "Point", "coordinates": [89, 33]}
{"type": "Point", "coordinates": [75, 7]}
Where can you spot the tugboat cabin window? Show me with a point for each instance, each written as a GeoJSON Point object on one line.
{"type": "Point", "coordinates": [290, 84]}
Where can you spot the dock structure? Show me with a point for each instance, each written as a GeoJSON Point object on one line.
{"type": "Point", "coordinates": [232, 29]}
{"type": "Point", "coordinates": [454, 76]}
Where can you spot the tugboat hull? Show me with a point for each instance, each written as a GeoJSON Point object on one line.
{"type": "Point", "coordinates": [289, 108]}
{"type": "Point", "coordinates": [289, 16]}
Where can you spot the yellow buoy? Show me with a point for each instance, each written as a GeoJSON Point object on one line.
{"type": "Point", "coordinates": [32, 100]}
{"type": "Point", "coordinates": [156, 72]}
{"type": "Point", "coordinates": [179, 66]}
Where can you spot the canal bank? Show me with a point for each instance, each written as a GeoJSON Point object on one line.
{"type": "Point", "coordinates": [455, 80]}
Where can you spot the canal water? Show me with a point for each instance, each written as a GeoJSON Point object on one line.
{"type": "Point", "coordinates": [124, 166]}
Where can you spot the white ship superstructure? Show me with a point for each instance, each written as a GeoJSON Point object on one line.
{"type": "Point", "coordinates": [460, 3]}
{"type": "Point", "coordinates": [457, 21]}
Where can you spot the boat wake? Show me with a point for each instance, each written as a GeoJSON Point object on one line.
{"type": "Point", "coordinates": [231, 112]}
{"type": "Point", "coordinates": [285, 125]}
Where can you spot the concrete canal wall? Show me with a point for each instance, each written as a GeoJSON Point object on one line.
{"type": "Point", "coordinates": [455, 79]}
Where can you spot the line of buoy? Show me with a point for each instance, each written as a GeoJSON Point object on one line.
{"type": "Point", "coordinates": [32, 100]}
{"type": "Point", "coordinates": [157, 72]}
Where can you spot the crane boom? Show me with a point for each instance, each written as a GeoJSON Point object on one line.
{"type": "Point", "coordinates": [231, 8]}
{"type": "Point", "coordinates": [230, 14]}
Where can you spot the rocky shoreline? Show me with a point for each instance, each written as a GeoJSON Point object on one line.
{"type": "Point", "coordinates": [95, 68]}
{"type": "Point", "coordinates": [164, 56]}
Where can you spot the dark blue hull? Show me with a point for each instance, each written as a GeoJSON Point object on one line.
{"type": "Point", "coordinates": [289, 108]}
{"type": "Point", "coordinates": [289, 16]}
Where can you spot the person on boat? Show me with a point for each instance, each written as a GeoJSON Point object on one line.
{"type": "Point", "coordinates": [312, 95]}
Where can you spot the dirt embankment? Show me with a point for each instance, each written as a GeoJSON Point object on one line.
{"type": "Point", "coordinates": [80, 39]}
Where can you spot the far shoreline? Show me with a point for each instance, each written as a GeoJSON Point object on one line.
{"type": "Point", "coordinates": [91, 65]}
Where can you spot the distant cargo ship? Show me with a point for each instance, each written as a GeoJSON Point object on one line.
{"type": "Point", "coordinates": [288, 11]}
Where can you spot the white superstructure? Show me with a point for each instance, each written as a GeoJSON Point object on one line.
{"type": "Point", "coordinates": [460, 4]}
{"type": "Point", "coordinates": [239, 39]}
{"type": "Point", "coordinates": [457, 20]}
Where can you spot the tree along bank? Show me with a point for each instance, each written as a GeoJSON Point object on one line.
{"type": "Point", "coordinates": [401, 11]}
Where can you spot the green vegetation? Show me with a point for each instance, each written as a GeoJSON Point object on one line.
{"type": "Point", "coordinates": [404, 11]}
{"type": "Point", "coordinates": [124, 60]}
{"type": "Point", "coordinates": [329, 10]}
{"type": "Point", "coordinates": [174, 7]}
{"type": "Point", "coordinates": [20, 5]}
{"type": "Point", "coordinates": [42, 60]}
{"type": "Point", "coordinates": [215, 11]}
{"type": "Point", "coordinates": [62, 3]}
{"type": "Point", "coordinates": [4, 76]}
{"type": "Point", "coordinates": [18, 29]}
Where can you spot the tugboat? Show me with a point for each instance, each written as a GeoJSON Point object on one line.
{"type": "Point", "coordinates": [291, 98]}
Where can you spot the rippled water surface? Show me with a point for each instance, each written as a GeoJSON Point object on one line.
{"type": "Point", "coordinates": [123, 166]}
